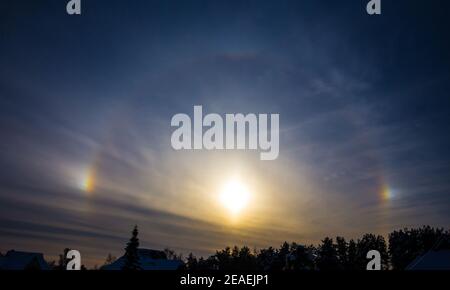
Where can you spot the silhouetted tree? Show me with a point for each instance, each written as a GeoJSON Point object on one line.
{"type": "Point", "coordinates": [301, 258]}
{"type": "Point", "coordinates": [407, 244]}
{"type": "Point", "coordinates": [266, 259]}
{"type": "Point", "coordinates": [208, 264]}
{"type": "Point", "coordinates": [109, 259]}
{"type": "Point", "coordinates": [223, 259]}
{"type": "Point", "coordinates": [172, 255]}
{"type": "Point", "coordinates": [282, 257]}
{"type": "Point", "coordinates": [352, 255]}
{"type": "Point", "coordinates": [327, 256]}
{"type": "Point", "coordinates": [244, 260]}
{"type": "Point", "coordinates": [236, 259]}
{"type": "Point", "coordinates": [342, 252]}
{"type": "Point", "coordinates": [131, 252]}
{"type": "Point", "coordinates": [62, 262]}
{"type": "Point", "coordinates": [191, 262]}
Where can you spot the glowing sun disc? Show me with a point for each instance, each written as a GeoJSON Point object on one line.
{"type": "Point", "coordinates": [234, 196]}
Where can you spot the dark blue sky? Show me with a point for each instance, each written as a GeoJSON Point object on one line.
{"type": "Point", "coordinates": [86, 103]}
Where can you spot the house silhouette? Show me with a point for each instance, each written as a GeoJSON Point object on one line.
{"type": "Point", "coordinates": [149, 260]}
{"type": "Point", "coordinates": [17, 260]}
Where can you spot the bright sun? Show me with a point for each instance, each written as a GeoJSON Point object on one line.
{"type": "Point", "coordinates": [234, 196]}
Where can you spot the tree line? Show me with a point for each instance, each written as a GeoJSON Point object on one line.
{"type": "Point", "coordinates": [401, 248]}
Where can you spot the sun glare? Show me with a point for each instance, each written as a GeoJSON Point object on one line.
{"type": "Point", "coordinates": [234, 196]}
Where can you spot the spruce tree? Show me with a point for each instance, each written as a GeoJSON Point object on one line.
{"type": "Point", "coordinates": [131, 252]}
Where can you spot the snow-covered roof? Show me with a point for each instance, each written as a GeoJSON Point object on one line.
{"type": "Point", "coordinates": [149, 260]}
{"type": "Point", "coordinates": [432, 260]}
{"type": "Point", "coordinates": [16, 260]}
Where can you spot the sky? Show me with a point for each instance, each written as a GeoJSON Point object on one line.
{"type": "Point", "coordinates": [86, 103]}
